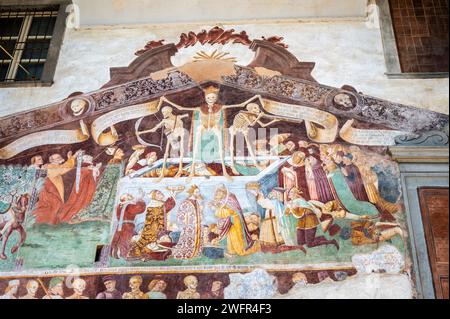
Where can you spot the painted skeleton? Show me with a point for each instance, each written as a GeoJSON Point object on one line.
{"type": "Point", "coordinates": [174, 131]}
{"type": "Point", "coordinates": [210, 123]}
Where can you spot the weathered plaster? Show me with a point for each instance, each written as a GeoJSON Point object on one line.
{"type": "Point", "coordinates": [361, 286]}
{"type": "Point", "coordinates": [345, 52]}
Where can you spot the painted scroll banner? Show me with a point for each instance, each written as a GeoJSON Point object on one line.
{"type": "Point", "coordinates": [312, 118]}
{"type": "Point", "coordinates": [368, 137]}
{"type": "Point", "coordinates": [107, 121]}
{"type": "Point", "coordinates": [51, 137]}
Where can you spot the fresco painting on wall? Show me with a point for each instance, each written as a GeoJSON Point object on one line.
{"type": "Point", "coordinates": [151, 286]}
{"type": "Point", "coordinates": [206, 164]}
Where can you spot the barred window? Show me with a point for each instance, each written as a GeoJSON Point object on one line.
{"type": "Point", "coordinates": [25, 38]}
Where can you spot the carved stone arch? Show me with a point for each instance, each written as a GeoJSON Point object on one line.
{"type": "Point", "coordinates": [277, 58]}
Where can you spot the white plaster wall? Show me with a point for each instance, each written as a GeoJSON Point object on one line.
{"type": "Point", "coordinates": [346, 52]}
{"type": "Point", "coordinates": [112, 12]}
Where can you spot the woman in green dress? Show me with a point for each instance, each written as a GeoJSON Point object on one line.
{"type": "Point", "coordinates": [342, 192]}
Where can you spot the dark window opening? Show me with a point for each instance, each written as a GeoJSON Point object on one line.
{"type": "Point", "coordinates": [421, 32]}
{"type": "Point", "coordinates": [25, 36]}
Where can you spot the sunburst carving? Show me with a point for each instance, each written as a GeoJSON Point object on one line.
{"type": "Point", "coordinates": [215, 55]}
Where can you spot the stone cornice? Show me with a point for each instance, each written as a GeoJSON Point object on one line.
{"type": "Point", "coordinates": [419, 154]}
{"type": "Point", "coordinates": [132, 85]}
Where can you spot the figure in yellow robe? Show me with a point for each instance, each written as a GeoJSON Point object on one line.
{"type": "Point", "coordinates": [232, 224]}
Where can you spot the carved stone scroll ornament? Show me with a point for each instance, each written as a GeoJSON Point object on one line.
{"type": "Point", "coordinates": [430, 138]}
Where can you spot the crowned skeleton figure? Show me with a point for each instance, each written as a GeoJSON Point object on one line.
{"type": "Point", "coordinates": [208, 120]}
{"type": "Point", "coordinates": [232, 224]}
{"type": "Point", "coordinates": [189, 217]}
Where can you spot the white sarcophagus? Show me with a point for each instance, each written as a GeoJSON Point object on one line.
{"type": "Point", "coordinates": [136, 183]}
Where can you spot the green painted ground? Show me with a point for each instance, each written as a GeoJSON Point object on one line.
{"type": "Point", "coordinates": [76, 245]}
{"type": "Point", "coordinates": [9, 264]}
{"type": "Point", "coordinates": [64, 245]}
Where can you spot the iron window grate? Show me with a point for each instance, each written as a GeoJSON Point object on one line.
{"type": "Point", "coordinates": [25, 36]}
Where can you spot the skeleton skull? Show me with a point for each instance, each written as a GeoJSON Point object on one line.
{"type": "Point", "coordinates": [343, 100]}
{"type": "Point", "coordinates": [211, 98]}
{"type": "Point", "coordinates": [166, 111]}
{"type": "Point", "coordinates": [78, 106]}
{"type": "Point", "coordinates": [79, 285]}
{"type": "Point", "coordinates": [253, 108]}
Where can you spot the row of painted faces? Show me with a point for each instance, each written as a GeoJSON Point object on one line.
{"type": "Point", "coordinates": [157, 287]}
